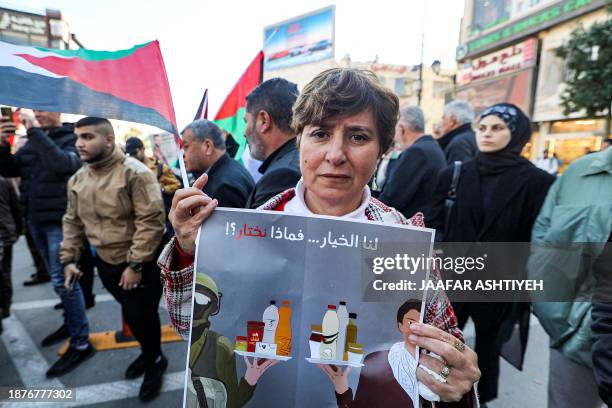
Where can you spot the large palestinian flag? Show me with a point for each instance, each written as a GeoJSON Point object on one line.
{"type": "Point", "coordinates": [129, 84]}
{"type": "Point", "coordinates": [231, 114]}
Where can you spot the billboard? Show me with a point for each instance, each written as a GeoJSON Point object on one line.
{"type": "Point", "coordinates": [488, 14]}
{"type": "Point", "coordinates": [505, 21]}
{"type": "Point", "coordinates": [300, 40]}
{"type": "Point", "coordinates": [514, 88]}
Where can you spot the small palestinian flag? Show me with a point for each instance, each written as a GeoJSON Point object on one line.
{"type": "Point", "coordinates": [202, 112]}
{"type": "Point", "coordinates": [231, 114]}
{"type": "Point", "coordinates": [129, 84]}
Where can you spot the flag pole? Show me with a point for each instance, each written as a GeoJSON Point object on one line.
{"type": "Point", "coordinates": [183, 169]}
{"type": "Point", "coordinates": [181, 152]}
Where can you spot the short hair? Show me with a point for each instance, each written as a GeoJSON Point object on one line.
{"type": "Point", "coordinates": [341, 92]}
{"type": "Point", "coordinates": [102, 125]}
{"type": "Point", "coordinates": [203, 129]}
{"type": "Point", "coordinates": [275, 96]}
{"type": "Point", "coordinates": [607, 141]}
{"type": "Point", "coordinates": [406, 307]}
{"type": "Point", "coordinates": [461, 110]}
{"type": "Point", "coordinates": [413, 117]}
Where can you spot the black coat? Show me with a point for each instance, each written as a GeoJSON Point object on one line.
{"type": "Point", "coordinates": [514, 207]}
{"type": "Point", "coordinates": [44, 163]}
{"type": "Point", "coordinates": [281, 171]}
{"type": "Point", "coordinates": [459, 144]}
{"type": "Point", "coordinates": [229, 182]}
{"type": "Point", "coordinates": [10, 213]}
{"type": "Point", "coordinates": [411, 184]}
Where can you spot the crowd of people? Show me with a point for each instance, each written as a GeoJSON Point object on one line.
{"type": "Point", "coordinates": [342, 147]}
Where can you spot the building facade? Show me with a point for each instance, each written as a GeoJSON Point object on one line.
{"type": "Point", "coordinates": [506, 54]}
{"type": "Point", "coordinates": [47, 30]}
{"type": "Point", "coordinates": [402, 79]}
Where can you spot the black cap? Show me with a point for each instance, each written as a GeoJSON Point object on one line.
{"type": "Point", "coordinates": [352, 315]}
{"type": "Point", "coordinates": [343, 303]}
{"type": "Point", "coordinates": [133, 144]}
{"type": "Point", "coordinates": [273, 302]}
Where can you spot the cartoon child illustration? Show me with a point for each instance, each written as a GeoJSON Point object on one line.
{"type": "Point", "coordinates": [212, 367]}
{"type": "Point", "coordinates": [388, 378]}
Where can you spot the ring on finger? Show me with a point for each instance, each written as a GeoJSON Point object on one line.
{"type": "Point", "coordinates": [445, 372]}
{"type": "Point", "coordinates": [459, 345]}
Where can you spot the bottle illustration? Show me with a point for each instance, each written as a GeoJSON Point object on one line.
{"type": "Point", "coordinates": [270, 318]}
{"type": "Point", "coordinates": [351, 333]}
{"type": "Point", "coordinates": [330, 334]}
{"type": "Point", "coordinates": [282, 337]}
{"type": "Point", "coordinates": [343, 318]}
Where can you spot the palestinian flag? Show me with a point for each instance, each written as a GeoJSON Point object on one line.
{"type": "Point", "coordinates": [129, 84]}
{"type": "Point", "coordinates": [231, 114]}
{"type": "Point", "coordinates": [202, 112]}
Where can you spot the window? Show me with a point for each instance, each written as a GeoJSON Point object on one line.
{"type": "Point", "coordinates": [14, 37]}
{"type": "Point", "coordinates": [400, 84]}
{"type": "Point", "coordinates": [577, 126]}
{"type": "Point", "coordinates": [439, 88]}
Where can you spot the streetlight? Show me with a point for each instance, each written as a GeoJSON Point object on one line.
{"type": "Point", "coordinates": [436, 67]}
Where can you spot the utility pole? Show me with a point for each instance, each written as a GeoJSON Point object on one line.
{"type": "Point", "coordinates": [420, 92]}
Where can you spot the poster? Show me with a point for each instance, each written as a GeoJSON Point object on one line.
{"type": "Point", "coordinates": [165, 148]}
{"type": "Point", "coordinates": [300, 40]}
{"type": "Point", "coordinates": [301, 291]}
{"type": "Point", "coordinates": [513, 88]}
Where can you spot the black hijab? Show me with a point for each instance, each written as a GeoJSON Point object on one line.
{"type": "Point", "coordinates": [510, 156]}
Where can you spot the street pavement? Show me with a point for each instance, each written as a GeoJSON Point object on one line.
{"type": "Point", "coordinates": [100, 381]}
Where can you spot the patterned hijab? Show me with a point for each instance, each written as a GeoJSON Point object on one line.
{"type": "Point", "coordinates": [520, 130]}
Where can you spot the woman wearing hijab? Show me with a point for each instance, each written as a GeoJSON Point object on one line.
{"type": "Point", "coordinates": [498, 197]}
{"type": "Point", "coordinates": [344, 120]}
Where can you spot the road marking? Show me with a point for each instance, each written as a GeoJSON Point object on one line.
{"type": "Point", "coordinates": [37, 304]}
{"type": "Point", "coordinates": [29, 362]}
{"type": "Point", "coordinates": [106, 392]}
{"type": "Point", "coordinates": [32, 366]}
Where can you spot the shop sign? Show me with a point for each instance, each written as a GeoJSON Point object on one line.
{"type": "Point", "coordinates": [540, 20]}
{"type": "Point", "coordinates": [22, 23]}
{"type": "Point", "coordinates": [514, 58]}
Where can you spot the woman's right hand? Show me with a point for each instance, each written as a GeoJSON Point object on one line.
{"type": "Point", "coordinates": [190, 208]}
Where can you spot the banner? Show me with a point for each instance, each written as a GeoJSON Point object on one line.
{"type": "Point", "coordinates": [300, 40]}
{"type": "Point", "coordinates": [280, 298]}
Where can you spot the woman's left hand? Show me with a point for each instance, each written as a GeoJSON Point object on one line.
{"type": "Point", "coordinates": [460, 360]}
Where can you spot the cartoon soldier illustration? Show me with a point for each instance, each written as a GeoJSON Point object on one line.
{"type": "Point", "coordinates": [212, 366]}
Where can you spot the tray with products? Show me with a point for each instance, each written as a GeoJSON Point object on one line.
{"type": "Point", "coordinates": [260, 355]}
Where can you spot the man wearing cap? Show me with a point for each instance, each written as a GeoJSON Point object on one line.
{"type": "Point", "coordinates": [168, 182]}
{"type": "Point", "coordinates": [166, 179]}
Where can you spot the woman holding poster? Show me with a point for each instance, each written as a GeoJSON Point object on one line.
{"type": "Point", "coordinates": [345, 121]}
